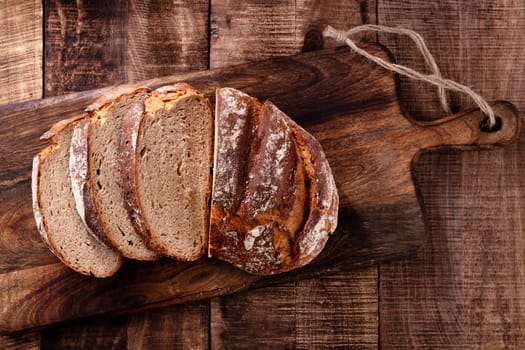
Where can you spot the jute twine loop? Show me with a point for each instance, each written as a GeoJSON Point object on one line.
{"type": "Point", "coordinates": [435, 78]}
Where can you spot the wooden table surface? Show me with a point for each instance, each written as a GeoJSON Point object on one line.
{"type": "Point", "coordinates": [466, 286]}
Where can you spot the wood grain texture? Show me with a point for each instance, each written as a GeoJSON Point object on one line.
{"type": "Point", "coordinates": [338, 311]}
{"type": "Point", "coordinates": [359, 100]}
{"type": "Point", "coordinates": [466, 288]}
{"type": "Point", "coordinates": [20, 50]}
{"type": "Point", "coordinates": [89, 44]}
{"type": "Point", "coordinates": [21, 341]}
{"type": "Point", "coordinates": [244, 31]}
{"type": "Point", "coordinates": [159, 329]}
{"type": "Point", "coordinates": [109, 333]}
{"type": "Point", "coordinates": [251, 31]}
{"type": "Point", "coordinates": [180, 327]}
{"type": "Point", "coordinates": [21, 79]}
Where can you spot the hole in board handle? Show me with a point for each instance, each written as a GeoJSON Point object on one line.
{"type": "Point", "coordinates": [484, 125]}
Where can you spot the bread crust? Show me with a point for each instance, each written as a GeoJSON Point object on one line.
{"type": "Point", "coordinates": [324, 207]}
{"type": "Point", "coordinates": [128, 168]}
{"type": "Point", "coordinates": [58, 127]}
{"type": "Point", "coordinates": [274, 201]}
{"type": "Point", "coordinates": [40, 220]}
{"type": "Point", "coordinates": [80, 184]}
{"type": "Point", "coordinates": [110, 95]}
{"type": "Point", "coordinates": [132, 124]}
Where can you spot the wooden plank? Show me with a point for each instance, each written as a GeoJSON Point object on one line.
{"type": "Point", "coordinates": [109, 333]}
{"type": "Point", "coordinates": [465, 289]}
{"type": "Point", "coordinates": [21, 79]}
{"type": "Point", "coordinates": [90, 45]}
{"type": "Point", "coordinates": [256, 30]}
{"type": "Point", "coordinates": [287, 316]}
{"type": "Point", "coordinates": [21, 341]}
{"type": "Point", "coordinates": [257, 319]}
{"type": "Point", "coordinates": [338, 311]}
{"type": "Point", "coordinates": [158, 329]}
{"type": "Point", "coordinates": [20, 50]}
{"type": "Point", "coordinates": [378, 206]}
{"type": "Point", "coordinates": [180, 327]}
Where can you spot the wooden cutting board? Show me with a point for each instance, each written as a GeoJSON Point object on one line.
{"type": "Point", "coordinates": [349, 104]}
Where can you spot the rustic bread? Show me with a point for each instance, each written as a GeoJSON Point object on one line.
{"type": "Point", "coordinates": [134, 173]}
{"type": "Point", "coordinates": [274, 199]}
{"type": "Point", "coordinates": [54, 209]}
{"type": "Point", "coordinates": [166, 152]}
{"type": "Point", "coordinates": [106, 189]}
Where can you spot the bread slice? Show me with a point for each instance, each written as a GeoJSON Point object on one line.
{"type": "Point", "coordinates": [78, 166]}
{"type": "Point", "coordinates": [106, 188]}
{"type": "Point", "coordinates": [168, 143]}
{"type": "Point", "coordinates": [54, 209]}
{"type": "Point", "coordinates": [274, 199]}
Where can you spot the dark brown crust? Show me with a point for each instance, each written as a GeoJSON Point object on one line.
{"type": "Point", "coordinates": [128, 165]}
{"type": "Point", "coordinates": [59, 126]}
{"type": "Point", "coordinates": [282, 205]}
{"type": "Point", "coordinates": [132, 124]}
{"type": "Point", "coordinates": [324, 199]}
{"type": "Point", "coordinates": [110, 95]}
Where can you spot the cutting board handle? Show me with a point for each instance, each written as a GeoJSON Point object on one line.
{"type": "Point", "coordinates": [465, 129]}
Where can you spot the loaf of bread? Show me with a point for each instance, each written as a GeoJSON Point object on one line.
{"type": "Point", "coordinates": [166, 154]}
{"type": "Point", "coordinates": [60, 227]}
{"type": "Point", "coordinates": [147, 173]}
{"type": "Point", "coordinates": [274, 199]}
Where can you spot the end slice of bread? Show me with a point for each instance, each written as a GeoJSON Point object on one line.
{"type": "Point", "coordinates": [58, 222]}
{"type": "Point", "coordinates": [274, 199]}
{"type": "Point", "coordinates": [168, 141]}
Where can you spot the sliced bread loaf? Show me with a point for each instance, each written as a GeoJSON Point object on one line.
{"type": "Point", "coordinates": [106, 190]}
{"type": "Point", "coordinates": [274, 199]}
{"type": "Point", "coordinates": [54, 209]}
{"type": "Point", "coordinates": [167, 142]}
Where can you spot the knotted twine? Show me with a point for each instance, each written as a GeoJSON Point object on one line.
{"type": "Point", "coordinates": [435, 78]}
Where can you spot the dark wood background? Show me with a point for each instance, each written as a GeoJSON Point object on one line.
{"type": "Point", "coordinates": [464, 289]}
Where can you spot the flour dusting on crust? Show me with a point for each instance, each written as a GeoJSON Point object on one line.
{"type": "Point", "coordinates": [251, 236]}
{"type": "Point", "coordinates": [274, 157]}
{"type": "Point", "coordinates": [274, 200]}
{"type": "Point", "coordinates": [233, 108]}
{"type": "Point", "coordinates": [78, 167]}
